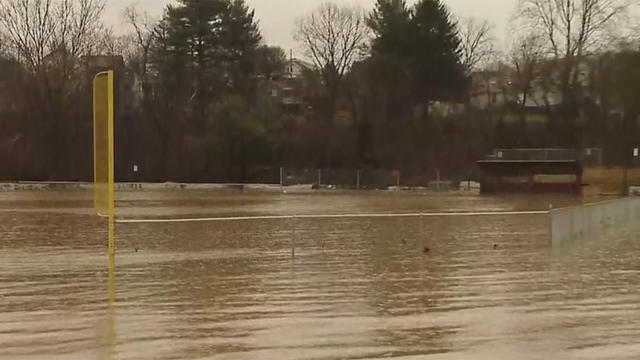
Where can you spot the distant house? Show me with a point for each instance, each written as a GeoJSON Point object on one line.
{"type": "Point", "coordinates": [56, 58]}
{"type": "Point", "coordinates": [496, 87]}
{"type": "Point", "coordinates": [538, 98]}
{"type": "Point", "coordinates": [94, 64]}
{"type": "Point", "coordinates": [128, 92]}
{"type": "Point", "coordinates": [289, 89]}
{"type": "Point", "coordinates": [297, 68]}
{"type": "Point", "coordinates": [446, 108]}
{"type": "Point", "coordinates": [490, 89]}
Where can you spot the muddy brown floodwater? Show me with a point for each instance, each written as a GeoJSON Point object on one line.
{"type": "Point", "coordinates": [489, 288]}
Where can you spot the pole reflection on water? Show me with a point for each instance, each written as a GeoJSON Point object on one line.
{"type": "Point", "coordinates": [107, 336]}
{"type": "Point", "coordinates": [110, 343]}
{"type": "Point", "coordinates": [358, 288]}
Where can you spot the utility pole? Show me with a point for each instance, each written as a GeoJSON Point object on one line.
{"type": "Point", "coordinates": [628, 156]}
{"type": "Point", "coordinates": [291, 63]}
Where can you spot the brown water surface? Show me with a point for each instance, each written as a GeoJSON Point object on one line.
{"type": "Point", "coordinates": [489, 288]}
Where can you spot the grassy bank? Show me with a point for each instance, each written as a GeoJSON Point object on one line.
{"type": "Point", "coordinates": [608, 180]}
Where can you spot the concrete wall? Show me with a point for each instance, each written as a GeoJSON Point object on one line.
{"type": "Point", "coordinates": [594, 221]}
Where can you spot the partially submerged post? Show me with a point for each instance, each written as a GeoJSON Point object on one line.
{"type": "Point", "coordinates": [293, 236]}
{"type": "Point", "coordinates": [422, 240]}
{"type": "Point", "coordinates": [281, 178]}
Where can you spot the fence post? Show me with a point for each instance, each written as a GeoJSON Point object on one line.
{"type": "Point", "coordinates": [319, 178]}
{"type": "Point", "coordinates": [358, 180]}
{"type": "Point", "coordinates": [281, 177]}
{"type": "Point", "coordinates": [422, 242]}
{"type": "Point", "coordinates": [438, 179]}
{"type": "Point", "coordinates": [398, 180]}
{"type": "Point", "coordinates": [294, 234]}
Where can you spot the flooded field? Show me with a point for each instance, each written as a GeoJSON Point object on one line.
{"type": "Point", "coordinates": [488, 288]}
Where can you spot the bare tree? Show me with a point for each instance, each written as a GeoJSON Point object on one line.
{"type": "Point", "coordinates": [36, 28]}
{"type": "Point", "coordinates": [571, 28]}
{"type": "Point", "coordinates": [477, 43]}
{"type": "Point", "coordinates": [28, 27]}
{"type": "Point", "coordinates": [79, 23]}
{"type": "Point", "coordinates": [108, 43]}
{"type": "Point", "coordinates": [333, 37]}
{"type": "Point", "coordinates": [48, 37]}
{"type": "Point", "coordinates": [3, 45]}
{"type": "Point", "coordinates": [526, 55]}
{"type": "Point", "coordinates": [143, 33]}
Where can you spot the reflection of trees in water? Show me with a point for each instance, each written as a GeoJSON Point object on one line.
{"type": "Point", "coordinates": [208, 276]}
{"type": "Point", "coordinates": [245, 287]}
{"type": "Point", "coordinates": [407, 284]}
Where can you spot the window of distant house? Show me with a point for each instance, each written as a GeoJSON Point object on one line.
{"type": "Point", "coordinates": [274, 92]}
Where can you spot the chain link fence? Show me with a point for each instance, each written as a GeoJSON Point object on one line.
{"type": "Point", "coordinates": [357, 179]}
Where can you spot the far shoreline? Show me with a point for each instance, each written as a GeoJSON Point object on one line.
{"type": "Point", "coordinates": [21, 186]}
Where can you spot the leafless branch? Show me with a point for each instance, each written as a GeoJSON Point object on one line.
{"type": "Point", "coordinates": [142, 25]}
{"type": "Point", "coordinates": [36, 28]}
{"type": "Point", "coordinates": [477, 43]}
{"type": "Point", "coordinates": [111, 44]}
{"type": "Point", "coordinates": [572, 27]}
{"type": "Point", "coordinates": [28, 27]}
{"type": "Point", "coordinates": [333, 37]}
{"type": "Point", "coordinates": [526, 55]}
{"type": "Point", "coordinates": [143, 33]}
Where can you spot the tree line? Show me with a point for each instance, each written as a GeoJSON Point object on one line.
{"type": "Point", "coordinates": [201, 97]}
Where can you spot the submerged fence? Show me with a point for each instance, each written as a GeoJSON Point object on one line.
{"type": "Point", "coordinates": [594, 221]}
{"type": "Point", "coordinates": [362, 179]}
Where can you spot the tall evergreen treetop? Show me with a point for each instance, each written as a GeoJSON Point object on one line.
{"type": "Point", "coordinates": [241, 40]}
{"type": "Point", "coordinates": [438, 51]}
{"type": "Point", "coordinates": [390, 22]}
{"type": "Point", "coordinates": [424, 40]}
{"type": "Point", "coordinates": [195, 29]}
{"type": "Point", "coordinates": [210, 46]}
{"type": "Point", "coordinates": [241, 31]}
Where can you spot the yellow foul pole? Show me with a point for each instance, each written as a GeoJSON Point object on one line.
{"type": "Point", "coordinates": [111, 195]}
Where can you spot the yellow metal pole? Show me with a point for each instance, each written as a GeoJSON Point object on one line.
{"type": "Point", "coordinates": [96, 205]}
{"type": "Point", "coordinates": [111, 196]}
{"type": "Point", "coordinates": [100, 183]}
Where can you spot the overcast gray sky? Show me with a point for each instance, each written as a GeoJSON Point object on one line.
{"type": "Point", "coordinates": [277, 17]}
